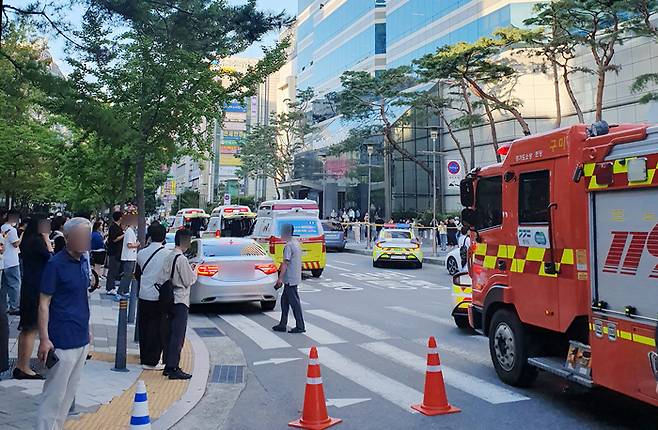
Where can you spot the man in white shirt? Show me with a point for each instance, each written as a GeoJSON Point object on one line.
{"type": "Point", "coordinates": [151, 317]}
{"type": "Point", "coordinates": [11, 275]}
{"type": "Point", "coordinates": [128, 254]}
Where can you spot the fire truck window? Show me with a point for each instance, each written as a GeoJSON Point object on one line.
{"type": "Point", "coordinates": [489, 202]}
{"type": "Point", "coordinates": [534, 197]}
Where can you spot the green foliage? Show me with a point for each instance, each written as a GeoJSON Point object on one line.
{"type": "Point", "coordinates": [186, 199]}
{"type": "Point", "coordinates": [269, 149]}
{"type": "Point", "coordinates": [643, 24]}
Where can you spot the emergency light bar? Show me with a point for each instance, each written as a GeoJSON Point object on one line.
{"type": "Point", "coordinates": [399, 225]}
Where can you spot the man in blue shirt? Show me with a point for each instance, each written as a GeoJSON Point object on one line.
{"type": "Point", "coordinates": [64, 323]}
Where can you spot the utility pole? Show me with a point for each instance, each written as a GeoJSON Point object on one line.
{"type": "Point", "coordinates": [370, 149]}
{"type": "Point", "coordinates": [434, 133]}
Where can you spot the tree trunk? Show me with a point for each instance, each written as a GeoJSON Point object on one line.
{"type": "Point", "coordinates": [492, 125]}
{"type": "Point", "coordinates": [124, 183]}
{"type": "Point", "coordinates": [479, 92]}
{"type": "Point", "coordinates": [139, 194]}
{"type": "Point", "coordinates": [556, 89]}
{"type": "Point", "coordinates": [471, 136]}
{"type": "Point", "coordinates": [600, 87]}
{"type": "Point", "coordinates": [454, 138]}
{"type": "Point", "coordinates": [572, 96]}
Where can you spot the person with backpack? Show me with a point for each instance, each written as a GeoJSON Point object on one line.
{"type": "Point", "coordinates": [151, 318]}
{"type": "Point", "coordinates": [464, 243]}
{"type": "Point", "coordinates": [174, 282]}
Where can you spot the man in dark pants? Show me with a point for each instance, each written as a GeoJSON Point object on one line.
{"type": "Point", "coordinates": [4, 326]}
{"type": "Point", "coordinates": [114, 246]}
{"type": "Point", "coordinates": [290, 276]}
{"type": "Point", "coordinates": [151, 317]}
{"type": "Point", "coordinates": [177, 268]}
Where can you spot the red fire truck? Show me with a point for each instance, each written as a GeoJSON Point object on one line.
{"type": "Point", "coordinates": [564, 262]}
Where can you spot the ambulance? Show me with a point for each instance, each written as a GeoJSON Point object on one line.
{"type": "Point", "coordinates": [185, 216]}
{"type": "Point", "coordinates": [230, 221]}
{"type": "Point", "coordinates": [303, 215]}
{"type": "Point", "coordinates": [564, 258]}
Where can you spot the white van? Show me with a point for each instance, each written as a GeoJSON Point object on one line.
{"type": "Point", "coordinates": [230, 221]}
{"type": "Point", "coordinates": [185, 216]}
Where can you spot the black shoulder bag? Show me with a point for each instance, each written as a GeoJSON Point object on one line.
{"type": "Point", "coordinates": [166, 289]}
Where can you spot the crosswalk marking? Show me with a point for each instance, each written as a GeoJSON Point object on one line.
{"type": "Point", "coordinates": [390, 389]}
{"type": "Point", "coordinates": [345, 262]}
{"type": "Point", "coordinates": [314, 332]}
{"type": "Point", "coordinates": [473, 357]}
{"type": "Point", "coordinates": [418, 314]}
{"type": "Point", "coordinates": [462, 381]}
{"type": "Point", "coordinates": [337, 268]}
{"type": "Point", "coordinates": [364, 329]}
{"type": "Point", "coordinates": [263, 337]}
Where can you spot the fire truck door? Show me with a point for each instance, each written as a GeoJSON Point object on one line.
{"type": "Point", "coordinates": [535, 285]}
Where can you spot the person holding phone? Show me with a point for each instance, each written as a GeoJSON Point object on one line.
{"type": "Point", "coordinates": [64, 323]}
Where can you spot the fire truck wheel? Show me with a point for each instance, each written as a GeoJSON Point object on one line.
{"type": "Point", "coordinates": [509, 349]}
{"type": "Point", "coordinates": [316, 273]}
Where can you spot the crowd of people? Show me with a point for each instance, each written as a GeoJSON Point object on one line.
{"type": "Point", "coordinates": [46, 278]}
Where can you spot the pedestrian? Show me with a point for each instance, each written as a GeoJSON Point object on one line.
{"type": "Point", "coordinates": [151, 318]}
{"type": "Point", "coordinates": [452, 233]}
{"type": "Point", "coordinates": [114, 245]}
{"type": "Point", "coordinates": [290, 276]}
{"type": "Point", "coordinates": [10, 286]}
{"type": "Point", "coordinates": [357, 214]}
{"type": "Point", "coordinates": [36, 250]}
{"type": "Point", "coordinates": [64, 323]}
{"type": "Point", "coordinates": [56, 235]}
{"type": "Point", "coordinates": [333, 214]}
{"type": "Point", "coordinates": [4, 322]}
{"type": "Point", "coordinates": [351, 214]}
{"type": "Point", "coordinates": [177, 268]}
{"type": "Point", "coordinates": [128, 254]}
{"type": "Point", "coordinates": [98, 252]}
{"type": "Point", "coordinates": [443, 235]}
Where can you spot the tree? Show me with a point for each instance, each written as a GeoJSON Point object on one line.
{"type": "Point", "coordinates": [598, 25]}
{"type": "Point", "coordinates": [370, 100]}
{"type": "Point", "coordinates": [158, 78]}
{"type": "Point", "coordinates": [186, 199]}
{"type": "Point", "coordinates": [269, 149]}
{"type": "Point", "coordinates": [644, 25]}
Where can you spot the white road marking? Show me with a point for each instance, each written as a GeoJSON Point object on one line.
{"type": "Point", "coordinates": [314, 332]}
{"type": "Point", "coordinates": [390, 389]}
{"type": "Point", "coordinates": [477, 387]}
{"type": "Point", "coordinates": [263, 337]}
{"type": "Point", "coordinates": [276, 361]}
{"type": "Point", "coordinates": [472, 356]}
{"type": "Point", "coordinates": [341, 403]}
{"type": "Point", "coordinates": [364, 329]}
{"type": "Point", "coordinates": [418, 314]}
{"type": "Point", "coordinates": [337, 268]}
{"type": "Point", "coordinates": [344, 262]}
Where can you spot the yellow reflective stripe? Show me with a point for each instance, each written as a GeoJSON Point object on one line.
{"type": "Point", "coordinates": [593, 185]}
{"type": "Point", "coordinates": [567, 256]}
{"type": "Point", "coordinates": [588, 169]}
{"type": "Point", "coordinates": [627, 335]}
{"type": "Point", "coordinates": [481, 249]}
{"type": "Point", "coordinates": [463, 305]}
{"type": "Point", "coordinates": [517, 265]}
{"type": "Point", "coordinates": [650, 174]}
{"type": "Point", "coordinates": [535, 254]}
{"type": "Point", "coordinates": [489, 261]}
{"type": "Point", "coordinates": [456, 289]}
{"type": "Point", "coordinates": [645, 340]}
{"type": "Point", "coordinates": [621, 166]}
{"type": "Point", "coordinates": [542, 272]}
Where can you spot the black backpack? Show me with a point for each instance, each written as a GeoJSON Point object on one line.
{"type": "Point", "coordinates": [463, 253]}
{"type": "Point", "coordinates": [166, 289]}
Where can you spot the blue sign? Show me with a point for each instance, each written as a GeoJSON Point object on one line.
{"type": "Point", "coordinates": [454, 167]}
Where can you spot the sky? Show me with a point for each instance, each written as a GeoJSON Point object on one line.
{"type": "Point", "coordinates": [56, 44]}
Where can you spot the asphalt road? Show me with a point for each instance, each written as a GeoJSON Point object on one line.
{"type": "Point", "coordinates": [371, 328]}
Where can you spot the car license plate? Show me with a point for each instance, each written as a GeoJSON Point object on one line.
{"type": "Point", "coordinates": [399, 257]}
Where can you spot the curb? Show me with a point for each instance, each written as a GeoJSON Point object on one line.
{"type": "Point", "coordinates": [429, 260]}
{"type": "Point", "coordinates": [195, 389]}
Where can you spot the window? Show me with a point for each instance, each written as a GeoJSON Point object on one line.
{"type": "Point", "coordinates": [380, 38]}
{"type": "Point", "coordinates": [232, 250]}
{"type": "Point", "coordinates": [301, 227]}
{"type": "Point", "coordinates": [394, 234]}
{"type": "Point", "coordinates": [534, 197]}
{"type": "Point", "coordinates": [489, 202]}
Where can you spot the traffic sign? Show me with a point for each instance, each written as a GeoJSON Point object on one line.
{"type": "Point", "coordinates": [454, 167]}
{"type": "Point", "coordinates": [227, 199]}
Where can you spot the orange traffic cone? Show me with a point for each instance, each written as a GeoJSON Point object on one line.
{"type": "Point", "coordinates": [435, 401]}
{"type": "Point", "coordinates": [314, 411]}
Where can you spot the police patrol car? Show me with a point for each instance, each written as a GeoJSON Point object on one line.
{"type": "Point", "coordinates": [397, 243]}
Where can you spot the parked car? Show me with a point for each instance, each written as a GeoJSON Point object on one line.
{"type": "Point", "coordinates": [453, 262]}
{"type": "Point", "coordinates": [334, 235]}
{"type": "Point", "coordinates": [397, 243]}
{"type": "Point", "coordinates": [232, 270]}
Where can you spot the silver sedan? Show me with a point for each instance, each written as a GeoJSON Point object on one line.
{"type": "Point", "coordinates": [232, 270]}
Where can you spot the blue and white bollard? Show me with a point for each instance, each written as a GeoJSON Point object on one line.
{"type": "Point", "coordinates": [140, 419]}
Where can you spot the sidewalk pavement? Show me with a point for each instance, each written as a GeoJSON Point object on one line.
{"type": "Point", "coordinates": [104, 398]}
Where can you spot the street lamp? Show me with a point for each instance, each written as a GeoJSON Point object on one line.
{"type": "Point", "coordinates": [323, 158]}
{"type": "Point", "coordinates": [434, 134]}
{"type": "Point", "coordinates": [371, 149]}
